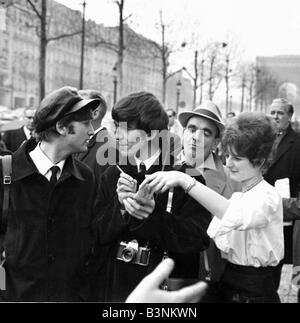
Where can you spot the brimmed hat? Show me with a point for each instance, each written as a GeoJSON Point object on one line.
{"type": "Point", "coordinates": [206, 110]}
{"type": "Point", "coordinates": [58, 104]}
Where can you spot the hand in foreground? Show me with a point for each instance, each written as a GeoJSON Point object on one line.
{"type": "Point", "coordinates": [126, 185]}
{"type": "Point", "coordinates": [139, 207]}
{"type": "Point", "coordinates": [160, 182]}
{"type": "Point", "coordinates": [148, 290]}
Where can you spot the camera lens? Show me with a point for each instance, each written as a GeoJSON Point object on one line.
{"type": "Point", "coordinates": [128, 254]}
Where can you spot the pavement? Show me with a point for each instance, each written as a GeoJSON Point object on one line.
{"type": "Point", "coordinates": [287, 291]}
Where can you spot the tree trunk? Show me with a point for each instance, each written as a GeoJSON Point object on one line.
{"type": "Point", "coordinates": [43, 50]}
{"type": "Point", "coordinates": [201, 80]}
{"type": "Point", "coordinates": [243, 96]}
{"type": "Point", "coordinates": [227, 86]}
{"type": "Point", "coordinates": [121, 47]}
{"type": "Point", "coordinates": [210, 91]}
{"type": "Point", "coordinates": [164, 61]}
{"type": "Point", "coordinates": [82, 47]}
{"type": "Point", "coordinates": [195, 79]}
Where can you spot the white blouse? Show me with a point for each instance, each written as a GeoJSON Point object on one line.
{"type": "Point", "coordinates": [251, 231]}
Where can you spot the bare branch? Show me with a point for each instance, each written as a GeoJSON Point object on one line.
{"type": "Point", "coordinates": [64, 36]}
{"type": "Point", "coordinates": [124, 19]}
{"type": "Point", "coordinates": [105, 44]}
{"type": "Point", "coordinates": [34, 8]}
{"type": "Point", "coordinates": [173, 73]}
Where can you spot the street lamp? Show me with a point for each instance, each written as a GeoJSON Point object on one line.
{"type": "Point", "coordinates": [178, 86]}
{"type": "Point", "coordinates": [115, 82]}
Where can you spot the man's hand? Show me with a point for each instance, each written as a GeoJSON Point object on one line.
{"type": "Point", "coordinates": [148, 290]}
{"type": "Point", "coordinates": [139, 207]}
{"type": "Point", "coordinates": [125, 186]}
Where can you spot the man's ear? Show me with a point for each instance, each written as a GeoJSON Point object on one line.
{"type": "Point", "coordinates": [62, 130]}
{"type": "Point", "coordinates": [96, 113]}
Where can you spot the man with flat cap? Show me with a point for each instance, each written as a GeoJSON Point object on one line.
{"type": "Point", "coordinates": [203, 129]}
{"type": "Point", "coordinates": [284, 171]}
{"type": "Point", "coordinates": [47, 240]}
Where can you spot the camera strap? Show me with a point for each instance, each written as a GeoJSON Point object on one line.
{"type": "Point", "coordinates": [164, 285]}
{"type": "Point", "coordinates": [6, 171]}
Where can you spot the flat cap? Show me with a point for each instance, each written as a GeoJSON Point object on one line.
{"type": "Point", "coordinates": [59, 104]}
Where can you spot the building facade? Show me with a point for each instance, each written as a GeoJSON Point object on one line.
{"type": "Point", "coordinates": [19, 56]}
{"type": "Point", "coordinates": [285, 78]}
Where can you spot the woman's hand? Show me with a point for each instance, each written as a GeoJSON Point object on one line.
{"type": "Point", "coordinates": [160, 182]}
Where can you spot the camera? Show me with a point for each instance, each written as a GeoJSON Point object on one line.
{"type": "Point", "coordinates": [130, 252]}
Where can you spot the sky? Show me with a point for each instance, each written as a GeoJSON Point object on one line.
{"type": "Point", "coordinates": [260, 27]}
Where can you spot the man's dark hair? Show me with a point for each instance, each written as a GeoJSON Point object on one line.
{"type": "Point", "coordinates": [142, 111]}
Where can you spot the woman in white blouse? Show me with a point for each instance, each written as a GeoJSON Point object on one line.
{"type": "Point", "coordinates": [247, 228]}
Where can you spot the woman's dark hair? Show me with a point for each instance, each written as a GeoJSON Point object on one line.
{"type": "Point", "coordinates": [142, 111]}
{"type": "Point", "coordinates": [250, 135]}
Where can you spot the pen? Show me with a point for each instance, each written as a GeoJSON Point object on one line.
{"type": "Point", "coordinates": [132, 180]}
{"type": "Point", "coordinates": [120, 169]}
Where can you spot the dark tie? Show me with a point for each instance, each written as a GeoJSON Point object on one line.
{"type": "Point", "coordinates": [276, 142]}
{"type": "Point", "coordinates": [142, 170]}
{"type": "Point", "coordinates": [53, 178]}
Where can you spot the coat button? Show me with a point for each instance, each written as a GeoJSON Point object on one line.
{"type": "Point", "coordinates": [51, 259]}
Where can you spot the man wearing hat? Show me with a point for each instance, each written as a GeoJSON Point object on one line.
{"type": "Point", "coordinates": [285, 168]}
{"type": "Point", "coordinates": [203, 128]}
{"type": "Point", "coordinates": [47, 239]}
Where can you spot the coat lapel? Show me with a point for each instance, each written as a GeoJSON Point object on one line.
{"type": "Point", "coordinates": [285, 145]}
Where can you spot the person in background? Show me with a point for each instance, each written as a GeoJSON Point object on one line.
{"type": "Point", "coordinates": [173, 125]}
{"type": "Point", "coordinates": [291, 212]}
{"type": "Point", "coordinates": [176, 133]}
{"type": "Point", "coordinates": [203, 129]}
{"type": "Point", "coordinates": [14, 138]}
{"type": "Point", "coordinates": [230, 115]}
{"type": "Point", "coordinates": [248, 227]}
{"type": "Point", "coordinates": [96, 157]}
{"type": "Point", "coordinates": [48, 239]}
{"type": "Point", "coordinates": [285, 167]}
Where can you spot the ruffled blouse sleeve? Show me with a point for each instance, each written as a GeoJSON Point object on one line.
{"type": "Point", "coordinates": [253, 209]}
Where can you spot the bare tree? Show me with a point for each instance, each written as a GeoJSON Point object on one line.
{"type": "Point", "coordinates": [261, 84]}
{"type": "Point", "coordinates": [117, 45]}
{"type": "Point", "coordinates": [215, 68]}
{"type": "Point", "coordinates": [38, 18]}
{"type": "Point", "coordinates": [266, 87]}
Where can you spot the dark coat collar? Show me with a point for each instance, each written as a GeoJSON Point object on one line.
{"type": "Point", "coordinates": [23, 166]}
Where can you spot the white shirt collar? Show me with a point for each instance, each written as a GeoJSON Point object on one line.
{"type": "Point", "coordinates": [27, 132]}
{"type": "Point", "coordinates": [43, 163]}
{"type": "Point", "coordinates": [209, 163]}
{"type": "Point", "coordinates": [148, 162]}
{"type": "Point", "coordinates": [97, 130]}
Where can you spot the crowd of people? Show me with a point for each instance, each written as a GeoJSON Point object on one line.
{"type": "Point", "coordinates": [146, 213]}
